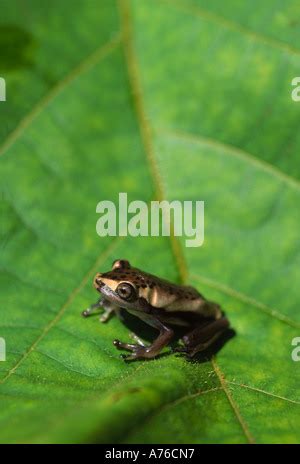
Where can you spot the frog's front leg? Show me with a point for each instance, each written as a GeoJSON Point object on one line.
{"type": "Point", "coordinates": [203, 336]}
{"type": "Point", "coordinates": [91, 309]}
{"type": "Point", "coordinates": [109, 309]}
{"type": "Point", "coordinates": [140, 351]}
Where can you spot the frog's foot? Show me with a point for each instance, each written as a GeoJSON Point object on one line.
{"type": "Point", "coordinates": [203, 337]}
{"type": "Point", "coordinates": [87, 312]}
{"type": "Point", "coordinates": [138, 351]}
{"type": "Point", "coordinates": [108, 310]}
{"type": "Point", "coordinates": [142, 351]}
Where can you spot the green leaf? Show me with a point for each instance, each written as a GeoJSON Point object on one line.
{"type": "Point", "coordinates": [186, 100]}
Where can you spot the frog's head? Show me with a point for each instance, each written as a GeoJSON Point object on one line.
{"type": "Point", "coordinates": [119, 284]}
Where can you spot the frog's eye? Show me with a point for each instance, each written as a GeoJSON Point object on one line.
{"type": "Point", "coordinates": [126, 291]}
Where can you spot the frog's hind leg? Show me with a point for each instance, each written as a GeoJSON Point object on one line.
{"type": "Point", "coordinates": [203, 336]}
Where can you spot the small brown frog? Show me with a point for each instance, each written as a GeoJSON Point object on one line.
{"type": "Point", "coordinates": [162, 305]}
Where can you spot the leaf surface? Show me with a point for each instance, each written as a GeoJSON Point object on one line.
{"type": "Point", "coordinates": [179, 100]}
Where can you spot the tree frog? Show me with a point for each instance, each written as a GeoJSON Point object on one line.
{"type": "Point", "coordinates": [162, 305]}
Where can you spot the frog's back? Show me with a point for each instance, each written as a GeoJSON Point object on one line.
{"type": "Point", "coordinates": [165, 295]}
{"type": "Point", "coordinates": [162, 293]}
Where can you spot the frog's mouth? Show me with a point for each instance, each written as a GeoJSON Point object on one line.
{"type": "Point", "coordinates": [101, 287]}
{"type": "Point", "coordinates": [106, 291]}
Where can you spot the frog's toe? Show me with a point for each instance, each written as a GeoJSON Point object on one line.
{"type": "Point", "coordinates": [126, 346]}
{"type": "Point", "coordinates": [129, 357]}
{"type": "Point", "coordinates": [137, 339]}
{"type": "Point", "coordinates": [137, 351]}
{"type": "Point", "coordinates": [118, 344]}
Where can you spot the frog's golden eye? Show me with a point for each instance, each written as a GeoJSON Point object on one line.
{"type": "Point", "coordinates": [126, 291]}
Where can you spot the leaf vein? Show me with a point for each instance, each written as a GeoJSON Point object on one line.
{"type": "Point", "coordinates": [234, 152]}
{"type": "Point", "coordinates": [86, 64]}
{"type": "Point", "coordinates": [234, 26]}
{"type": "Point", "coordinates": [247, 299]}
{"type": "Point", "coordinates": [232, 403]}
{"type": "Point", "coordinates": [67, 367]}
{"type": "Point", "coordinates": [259, 390]}
{"type": "Point", "coordinates": [58, 316]}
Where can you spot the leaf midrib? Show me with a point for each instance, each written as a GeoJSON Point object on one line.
{"type": "Point", "coordinates": [198, 393]}
{"type": "Point", "coordinates": [145, 131]}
